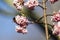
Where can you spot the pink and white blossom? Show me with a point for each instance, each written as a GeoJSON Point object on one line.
{"type": "Point", "coordinates": [21, 20]}
{"type": "Point", "coordinates": [18, 4]}
{"type": "Point", "coordinates": [18, 1]}
{"type": "Point", "coordinates": [31, 4]}
{"type": "Point", "coordinates": [22, 23]}
{"type": "Point", "coordinates": [56, 28]}
{"type": "Point", "coordinates": [53, 1]}
{"type": "Point", "coordinates": [21, 29]}
{"type": "Point", "coordinates": [56, 16]}
{"type": "Point", "coordinates": [56, 23]}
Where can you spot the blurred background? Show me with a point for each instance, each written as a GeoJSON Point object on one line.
{"type": "Point", "coordinates": [7, 26]}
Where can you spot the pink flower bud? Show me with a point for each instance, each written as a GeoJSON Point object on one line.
{"type": "Point", "coordinates": [19, 7]}
{"type": "Point", "coordinates": [56, 29]}
{"type": "Point", "coordinates": [18, 4]}
{"type": "Point", "coordinates": [19, 29]}
{"type": "Point", "coordinates": [31, 4]}
{"type": "Point", "coordinates": [21, 20]}
{"type": "Point", "coordinates": [56, 17]}
{"type": "Point", "coordinates": [18, 1]}
{"type": "Point", "coordinates": [53, 1]}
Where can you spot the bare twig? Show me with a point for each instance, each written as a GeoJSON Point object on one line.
{"type": "Point", "coordinates": [46, 0]}
{"type": "Point", "coordinates": [41, 5]}
{"type": "Point", "coordinates": [43, 17]}
{"type": "Point", "coordinates": [47, 24]}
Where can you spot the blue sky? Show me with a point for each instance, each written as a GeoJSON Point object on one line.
{"type": "Point", "coordinates": [7, 26]}
{"type": "Point", "coordinates": [7, 30]}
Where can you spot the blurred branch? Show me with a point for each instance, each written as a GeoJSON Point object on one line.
{"type": "Point", "coordinates": [46, 0]}
{"type": "Point", "coordinates": [47, 24]}
{"type": "Point", "coordinates": [40, 5]}
{"type": "Point", "coordinates": [43, 17]}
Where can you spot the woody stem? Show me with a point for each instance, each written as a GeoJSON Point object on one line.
{"type": "Point", "coordinates": [45, 19]}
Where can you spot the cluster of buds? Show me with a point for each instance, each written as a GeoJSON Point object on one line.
{"type": "Point", "coordinates": [18, 4]}
{"type": "Point", "coordinates": [29, 4]}
{"type": "Point", "coordinates": [21, 29]}
{"type": "Point", "coordinates": [56, 23]}
{"type": "Point", "coordinates": [22, 23]}
{"type": "Point", "coordinates": [53, 1]}
{"type": "Point", "coordinates": [56, 29]}
{"type": "Point", "coordinates": [56, 16]}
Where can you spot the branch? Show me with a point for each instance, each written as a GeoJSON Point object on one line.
{"type": "Point", "coordinates": [43, 17]}
{"type": "Point", "coordinates": [46, 0]}
{"type": "Point", "coordinates": [47, 24]}
{"type": "Point", "coordinates": [40, 5]}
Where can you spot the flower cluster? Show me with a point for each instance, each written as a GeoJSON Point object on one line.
{"type": "Point", "coordinates": [53, 1]}
{"type": "Point", "coordinates": [29, 4]}
{"type": "Point", "coordinates": [56, 23]}
{"type": "Point", "coordinates": [18, 4]}
{"type": "Point", "coordinates": [56, 16]}
{"type": "Point", "coordinates": [22, 23]}
{"type": "Point", "coordinates": [21, 29]}
{"type": "Point", "coordinates": [56, 29]}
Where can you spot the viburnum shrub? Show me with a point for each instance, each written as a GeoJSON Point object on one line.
{"type": "Point", "coordinates": [26, 11]}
